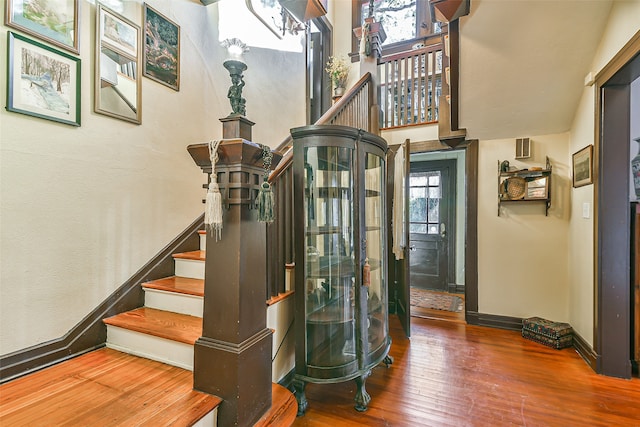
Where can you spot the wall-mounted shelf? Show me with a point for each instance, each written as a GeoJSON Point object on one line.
{"type": "Point", "coordinates": [525, 186]}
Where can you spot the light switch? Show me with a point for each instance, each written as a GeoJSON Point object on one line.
{"type": "Point", "coordinates": [586, 210]}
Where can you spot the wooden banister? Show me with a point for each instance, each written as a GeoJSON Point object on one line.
{"type": "Point", "coordinates": [344, 106]}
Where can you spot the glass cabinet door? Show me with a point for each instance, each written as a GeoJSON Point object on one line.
{"type": "Point", "coordinates": [375, 251]}
{"type": "Point", "coordinates": [330, 262]}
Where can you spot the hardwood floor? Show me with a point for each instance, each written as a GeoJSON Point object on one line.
{"type": "Point", "coordinates": [453, 374]}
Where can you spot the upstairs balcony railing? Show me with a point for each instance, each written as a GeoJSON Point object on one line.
{"type": "Point", "coordinates": [411, 85]}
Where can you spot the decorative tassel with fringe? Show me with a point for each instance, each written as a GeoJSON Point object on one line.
{"type": "Point", "coordinates": [266, 201]}
{"type": "Point", "coordinates": [213, 202]}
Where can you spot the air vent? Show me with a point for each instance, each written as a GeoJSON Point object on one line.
{"type": "Point", "coordinates": [523, 148]}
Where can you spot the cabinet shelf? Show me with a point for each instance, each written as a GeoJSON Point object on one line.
{"type": "Point", "coordinates": [525, 186]}
{"type": "Point", "coordinates": [335, 267]}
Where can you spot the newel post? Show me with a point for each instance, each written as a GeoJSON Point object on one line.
{"type": "Point", "coordinates": [232, 359]}
{"type": "Point", "coordinates": [371, 36]}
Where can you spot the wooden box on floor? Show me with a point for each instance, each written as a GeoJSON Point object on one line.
{"type": "Point", "coordinates": [552, 334]}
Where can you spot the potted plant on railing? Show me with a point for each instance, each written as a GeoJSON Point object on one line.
{"type": "Point", "coordinates": [338, 70]}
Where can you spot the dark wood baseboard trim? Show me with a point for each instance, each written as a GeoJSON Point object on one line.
{"type": "Point", "coordinates": [494, 321]}
{"type": "Point", "coordinates": [585, 351]}
{"type": "Point", "coordinates": [91, 333]}
{"type": "Point", "coordinates": [287, 380]}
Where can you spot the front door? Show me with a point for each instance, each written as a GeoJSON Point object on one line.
{"type": "Point", "coordinates": [431, 224]}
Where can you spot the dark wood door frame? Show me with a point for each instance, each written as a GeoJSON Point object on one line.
{"type": "Point", "coordinates": [471, 223]}
{"type": "Point", "coordinates": [612, 314]}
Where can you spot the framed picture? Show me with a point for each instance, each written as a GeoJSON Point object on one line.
{"type": "Point", "coordinates": [583, 166]}
{"type": "Point", "coordinates": [54, 21]}
{"type": "Point", "coordinates": [42, 81]}
{"type": "Point", "coordinates": [537, 188]}
{"type": "Point", "coordinates": [161, 49]}
{"type": "Point", "coordinates": [117, 33]}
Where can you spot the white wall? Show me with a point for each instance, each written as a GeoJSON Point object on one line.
{"type": "Point", "coordinates": [82, 209]}
{"type": "Point", "coordinates": [523, 254]}
{"type": "Point", "coordinates": [622, 24]}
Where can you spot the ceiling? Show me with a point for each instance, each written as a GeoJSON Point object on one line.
{"type": "Point", "coordinates": [523, 64]}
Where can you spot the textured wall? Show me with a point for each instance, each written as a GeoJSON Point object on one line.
{"type": "Point", "coordinates": [82, 209]}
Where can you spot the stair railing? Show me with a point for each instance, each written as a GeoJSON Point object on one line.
{"type": "Point", "coordinates": [357, 109]}
{"type": "Point", "coordinates": [411, 85]}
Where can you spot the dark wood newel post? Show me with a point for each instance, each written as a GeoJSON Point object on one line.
{"type": "Point", "coordinates": [232, 359]}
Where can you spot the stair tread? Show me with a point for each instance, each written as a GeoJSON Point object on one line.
{"type": "Point", "coordinates": [283, 411]}
{"type": "Point", "coordinates": [164, 324]}
{"type": "Point", "coordinates": [194, 255]}
{"type": "Point", "coordinates": [178, 284]}
{"type": "Point", "coordinates": [105, 386]}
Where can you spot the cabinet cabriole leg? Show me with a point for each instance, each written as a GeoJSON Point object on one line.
{"type": "Point", "coordinates": [362, 397]}
{"type": "Point", "coordinates": [300, 396]}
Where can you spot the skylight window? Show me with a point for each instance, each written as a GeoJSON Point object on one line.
{"type": "Point", "coordinates": [262, 29]}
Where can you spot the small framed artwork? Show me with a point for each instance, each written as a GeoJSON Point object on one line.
{"type": "Point", "coordinates": [161, 49]}
{"type": "Point", "coordinates": [117, 33]}
{"type": "Point", "coordinates": [55, 22]}
{"type": "Point", "coordinates": [583, 166]}
{"type": "Point", "coordinates": [537, 188]}
{"type": "Point", "coordinates": [42, 81]}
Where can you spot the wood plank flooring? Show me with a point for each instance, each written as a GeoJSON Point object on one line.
{"type": "Point", "coordinates": [453, 374]}
{"type": "Point", "coordinates": [104, 388]}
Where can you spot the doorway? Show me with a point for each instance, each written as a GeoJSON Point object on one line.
{"type": "Point", "coordinates": [612, 260]}
{"type": "Point", "coordinates": [436, 235]}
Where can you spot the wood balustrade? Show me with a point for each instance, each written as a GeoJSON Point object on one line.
{"type": "Point", "coordinates": [411, 85]}
{"type": "Point", "coordinates": [353, 109]}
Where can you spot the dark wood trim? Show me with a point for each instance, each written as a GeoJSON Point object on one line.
{"type": "Point", "coordinates": [471, 232]}
{"type": "Point", "coordinates": [494, 321]}
{"type": "Point", "coordinates": [612, 341]}
{"type": "Point", "coordinates": [91, 333]}
{"type": "Point", "coordinates": [585, 350]}
{"type": "Point", "coordinates": [611, 222]}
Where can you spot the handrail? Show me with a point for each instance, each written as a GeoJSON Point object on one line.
{"type": "Point", "coordinates": [328, 117]}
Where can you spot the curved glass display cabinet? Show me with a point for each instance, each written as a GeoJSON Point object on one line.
{"type": "Point", "coordinates": [342, 328]}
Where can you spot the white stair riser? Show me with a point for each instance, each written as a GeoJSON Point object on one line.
{"type": "Point", "coordinates": [203, 242]}
{"type": "Point", "coordinates": [209, 420]}
{"type": "Point", "coordinates": [172, 301]}
{"type": "Point", "coordinates": [189, 268]}
{"type": "Point", "coordinates": [151, 347]}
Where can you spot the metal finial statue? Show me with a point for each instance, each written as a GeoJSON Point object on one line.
{"type": "Point", "coordinates": [370, 8]}
{"type": "Point", "coordinates": [235, 65]}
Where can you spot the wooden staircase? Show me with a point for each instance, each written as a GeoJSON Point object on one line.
{"type": "Point", "coordinates": [169, 324]}
{"type": "Point", "coordinates": [136, 390]}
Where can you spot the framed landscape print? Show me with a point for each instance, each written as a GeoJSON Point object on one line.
{"type": "Point", "coordinates": [161, 49]}
{"type": "Point", "coordinates": [54, 21]}
{"type": "Point", "coordinates": [583, 166]}
{"type": "Point", "coordinates": [42, 81]}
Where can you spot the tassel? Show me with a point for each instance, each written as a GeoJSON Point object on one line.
{"type": "Point", "coordinates": [266, 203]}
{"type": "Point", "coordinates": [213, 202]}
